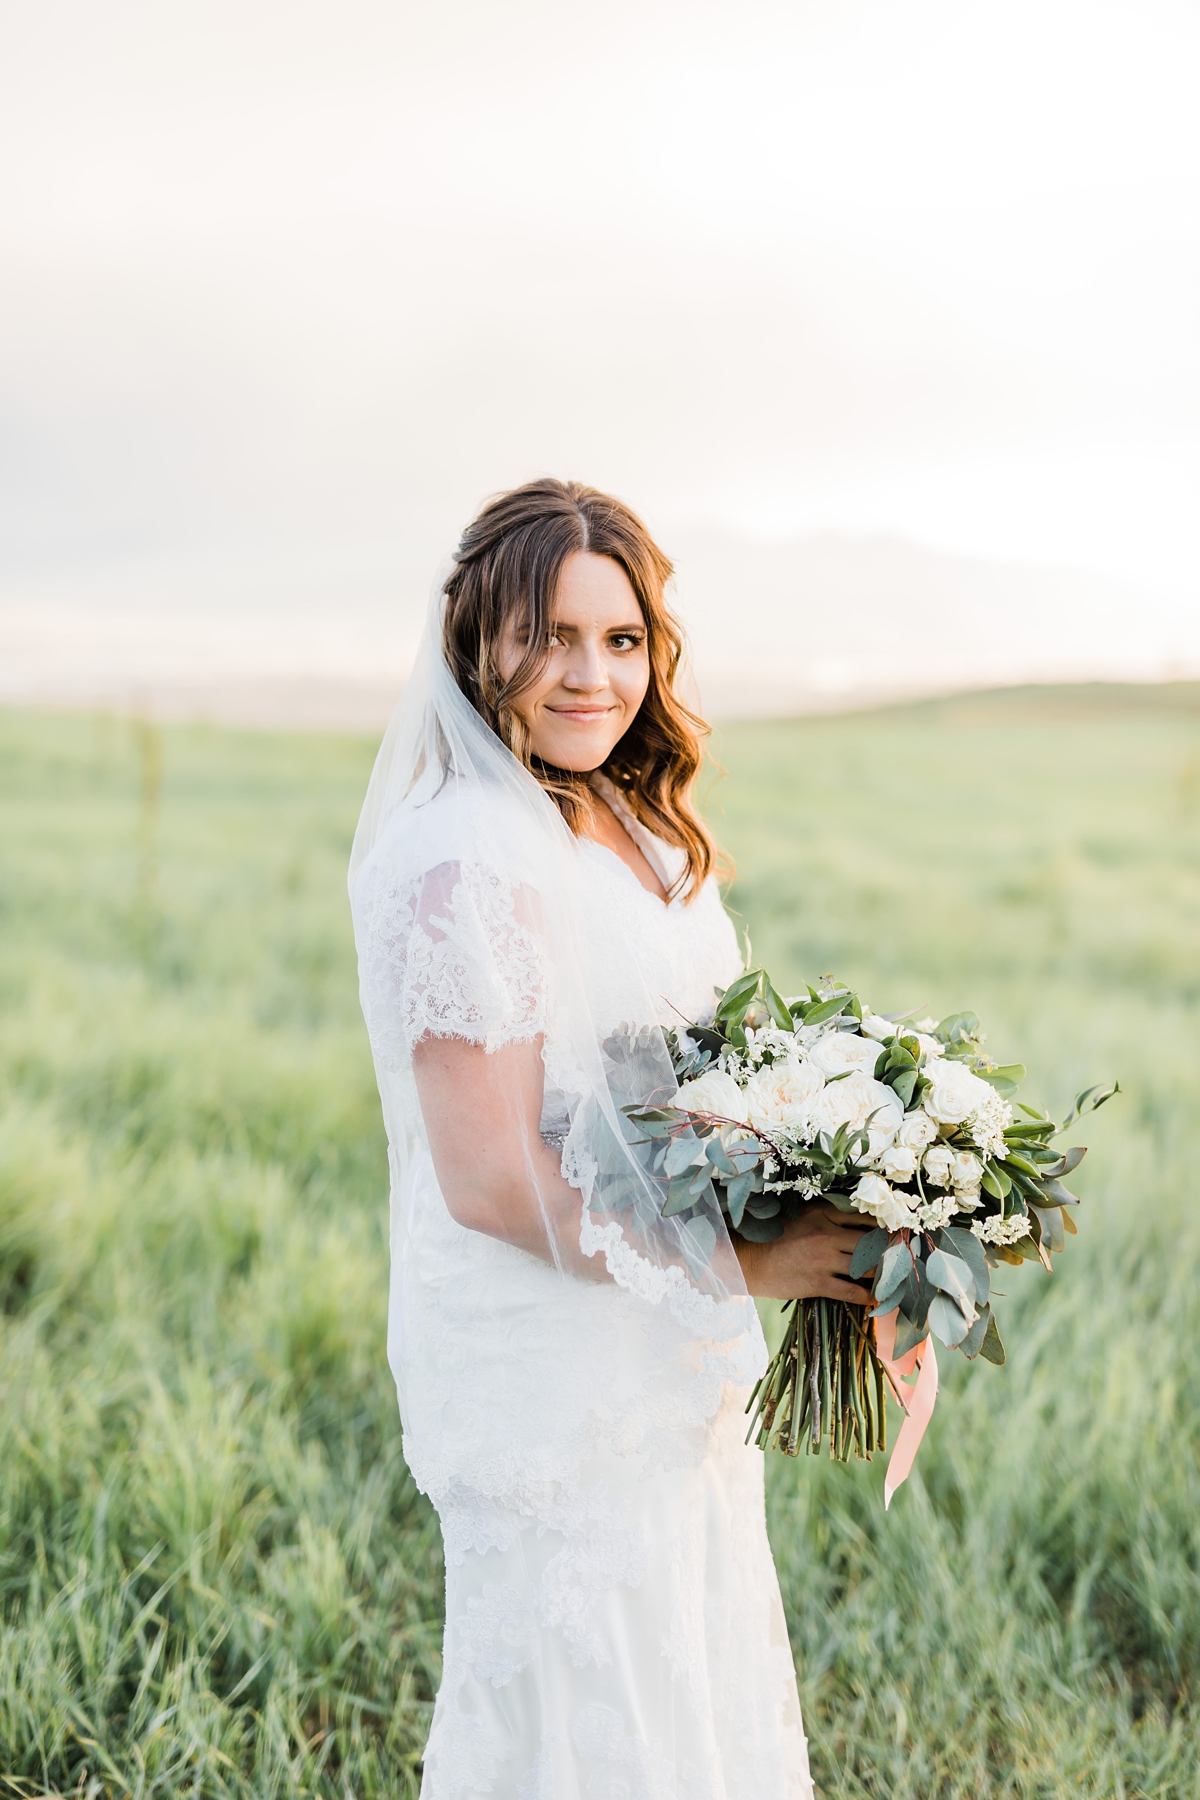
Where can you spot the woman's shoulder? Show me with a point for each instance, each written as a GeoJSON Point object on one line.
{"type": "Point", "coordinates": [464, 825]}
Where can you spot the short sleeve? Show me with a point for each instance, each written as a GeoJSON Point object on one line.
{"type": "Point", "coordinates": [452, 951]}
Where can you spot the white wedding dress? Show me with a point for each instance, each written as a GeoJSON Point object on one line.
{"type": "Point", "coordinates": [614, 1627]}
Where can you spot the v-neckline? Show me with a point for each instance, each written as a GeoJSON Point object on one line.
{"type": "Point", "coordinates": [629, 873]}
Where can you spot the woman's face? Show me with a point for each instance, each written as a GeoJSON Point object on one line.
{"type": "Point", "coordinates": [597, 672]}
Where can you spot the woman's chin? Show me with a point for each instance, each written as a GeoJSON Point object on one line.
{"type": "Point", "coordinates": [576, 758]}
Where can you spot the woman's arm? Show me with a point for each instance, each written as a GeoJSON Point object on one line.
{"type": "Point", "coordinates": [482, 1111]}
{"type": "Point", "coordinates": [811, 1258]}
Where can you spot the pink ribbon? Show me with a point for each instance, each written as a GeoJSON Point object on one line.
{"type": "Point", "coordinates": [918, 1402]}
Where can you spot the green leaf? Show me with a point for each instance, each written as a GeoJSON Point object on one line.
{"type": "Point", "coordinates": [1051, 1221]}
{"type": "Point", "coordinates": [965, 1244]}
{"type": "Point", "coordinates": [895, 1270]}
{"type": "Point", "coordinates": [958, 1028]}
{"type": "Point", "coordinates": [867, 1252]}
{"type": "Point", "coordinates": [1090, 1099]}
{"type": "Point", "coordinates": [996, 1182]}
{"type": "Point", "coordinates": [1006, 1079]}
{"type": "Point", "coordinates": [760, 1231]}
{"type": "Point", "coordinates": [908, 1335]}
{"type": "Point", "coordinates": [777, 1006]}
{"type": "Point", "coordinates": [682, 1153]}
{"type": "Point", "coordinates": [1057, 1194]}
{"type": "Point", "coordinates": [718, 1156]}
{"type": "Point", "coordinates": [738, 1192]}
{"type": "Point", "coordinates": [991, 1349]}
{"type": "Point", "coordinates": [827, 1009]}
{"type": "Point", "coordinates": [1069, 1160]}
{"type": "Point", "coordinates": [973, 1341]}
{"type": "Point", "coordinates": [735, 1001]}
{"type": "Point", "coordinates": [763, 1206]}
{"type": "Point", "coordinates": [904, 1085]}
{"type": "Point", "coordinates": [951, 1275]}
{"type": "Point", "coordinates": [679, 1199]}
{"type": "Point", "coordinates": [948, 1321]}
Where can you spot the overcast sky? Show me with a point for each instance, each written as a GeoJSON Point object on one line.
{"type": "Point", "coordinates": [285, 289]}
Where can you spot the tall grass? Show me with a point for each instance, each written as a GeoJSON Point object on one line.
{"type": "Point", "coordinates": [216, 1576]}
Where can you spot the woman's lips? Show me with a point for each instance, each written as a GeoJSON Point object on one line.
{"type": "Point", "coordinates": [583, 714]}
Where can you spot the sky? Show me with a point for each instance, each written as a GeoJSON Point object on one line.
{"type": "Point", "coordinates": [287, 289]}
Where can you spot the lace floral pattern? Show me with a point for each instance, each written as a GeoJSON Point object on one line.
{"type": "Point", "coordinates": [447, 954]}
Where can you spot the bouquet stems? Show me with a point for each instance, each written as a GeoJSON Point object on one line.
{"type": "Point", "coordinates": [824, 1383]}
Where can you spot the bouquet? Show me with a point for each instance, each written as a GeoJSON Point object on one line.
{"type": "Point", "coordinates": [786, 1101]}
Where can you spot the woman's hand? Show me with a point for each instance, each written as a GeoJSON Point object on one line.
{"type": "Point", "coordinates": [811, 1258]}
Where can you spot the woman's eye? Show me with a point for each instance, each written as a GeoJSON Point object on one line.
{"type": "Point", "coordinates": [625, 640]}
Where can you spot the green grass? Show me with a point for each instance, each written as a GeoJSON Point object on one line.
{"type": "Point", "coordinates": [215, 1574]}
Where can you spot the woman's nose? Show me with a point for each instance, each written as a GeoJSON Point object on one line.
{"type": "Point", "coordinates": [585, 671]}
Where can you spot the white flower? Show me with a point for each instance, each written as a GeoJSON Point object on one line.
{"type": "Point", "coordinates": [938, 1210]}
{"type": "Point", "coordinates": [878, 1028]}
{"type": "Point", "coordinates": [995, 1230]}
{"type": "Point", "coordinates": [917, 1130]}
{"type": "Point", "coordinates": [899, 1163]}
{"type": "Point", "coordinates": [875, 1197]}
{"type": "Point", "coordinates": [989, 1122]}
{"type": "Point", "coordinates": [843, 1050]}
{"type": "Point", "coordinates": [938, 1164]}
{"type": "Point", "coordinates": [713, 1092]}
{"type": "Point", "coordinates": [782, 1093]}
{"type": "Point", "coordinates": [852, 1101]}
{"type": "Point", "coordinates": [930, 1048]}
{"type": "Point", "coordinates": [966, 1171]}
{"type": "Point", "coordinates": [925, 1025]}
{"type": "Point", "coordinates": [955, 1092]}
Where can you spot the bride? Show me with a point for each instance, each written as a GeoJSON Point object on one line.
{"type": "Point", "coordinates": [534, 905]}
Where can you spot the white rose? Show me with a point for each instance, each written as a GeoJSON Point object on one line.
{"type": "Point", "coordinates": [782, 1093]}
{"type": "Point", "coordinates": [713, 1092]}
{"type": "Point", "coordinates": [938, 1164]}
{"type": "Point", "coordinates": [899, 1163]}
{"type": "Point", "coordinates": [930, 1046]}
{"type": "Point", "coordinates": [875, 1197]}
{"type": "Point", "coordinates": [955, 1092]}
{"type": "Point", "coordinates": [925, 1025]}
{"type": "Point", "coordinates": [843, 1050]}
{"type": "Point", "coordinates": [878, 1028]}
{"type": "Point", "coordinates": [917, 1130]}
{"type": "Point", "coordinates": [852, 1101]}
{"type": "Point", "coordinates": [966, 1171]}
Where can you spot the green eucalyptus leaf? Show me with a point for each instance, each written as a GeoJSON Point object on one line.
{"type": "Point", "coordinates": [947, 1320]}
{"type": "Point", "coordinates": [965, 1244]}
{"type": "Point", "coordinates": [991, 1349]}
{"type": "Point", "coordinates": [951, 1275]}
{"type": "Point", "coordinates": [760, 1231]}
{"type": "Point", "coordinates": [1057, 1194]}
{"type": "Point", "coordinates": [867, 1252]}
{"type": "Point", "coordinates": [1006, 1079]}
{"type": "Point", "coordinates": [909, 1333]}
{"type": "Point", "coordinates": [1051, 1221]}
{"type": "Point", "coordinates": [973, 1341]}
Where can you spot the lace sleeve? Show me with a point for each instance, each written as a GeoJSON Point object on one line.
{"type": "Point", "coordinates": [451, 952]}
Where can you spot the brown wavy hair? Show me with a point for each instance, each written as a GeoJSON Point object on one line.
{"type": "Point", "coordinates": [507, 566]}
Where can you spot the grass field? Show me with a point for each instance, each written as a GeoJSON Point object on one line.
{"type": "Point", "coordinates": [216, 1576]}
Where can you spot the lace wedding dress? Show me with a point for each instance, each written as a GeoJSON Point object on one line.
{"type": "Point", "coordinates": [614, 1629]}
